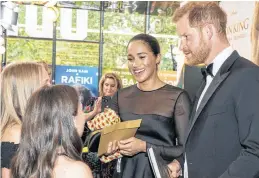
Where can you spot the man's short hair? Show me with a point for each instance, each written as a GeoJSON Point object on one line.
{"type": "Point", "coordinates": [200, 13]}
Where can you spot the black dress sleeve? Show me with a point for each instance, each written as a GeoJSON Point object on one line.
{"type": "Point", "coordinates": [181, 119]}
{"type": "Point", "coordinates": [8, 150]}
{"type": "Point", "coordinates": [114, 103]}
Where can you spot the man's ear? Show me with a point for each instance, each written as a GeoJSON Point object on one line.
{"type": "Point", "coordinates": [158, 59]}
{"type": "Point", "coordinates": [208, 30]}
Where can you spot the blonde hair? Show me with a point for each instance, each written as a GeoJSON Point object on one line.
{"type": "Point", "coordinates": [255, 34]}
{"type": "Point", "coordinates": [46, 66]}
{"type": "Point", "coordinates": [200, 13]}
{"type": "Point", "coordinates": [113, 76]}
{"type": "Point", "coordinates": [18, 82]}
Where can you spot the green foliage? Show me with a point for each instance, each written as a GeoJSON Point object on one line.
{"type": "Point", "coordinates": [77, 54]}
{"type": "Point", "coordinates": [162, 25]}
{"type": "Point", "coordinates": [118, 29]}
{"type": "Point", "coordinates": [115, 44]}
{"type": "Point", "coordinates": [29, 50]}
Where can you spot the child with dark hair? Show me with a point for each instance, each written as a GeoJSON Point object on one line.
{"type": "Point", "coordinates": [50, 142]}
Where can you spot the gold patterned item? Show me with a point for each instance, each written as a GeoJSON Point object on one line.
{"type": "Point", "coordinates": [100, 121]}
{"type": "Point", "coordinates": [106, 127]}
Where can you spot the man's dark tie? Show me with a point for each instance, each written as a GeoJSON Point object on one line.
{"type": "Point", "coordinates": [207, 71]}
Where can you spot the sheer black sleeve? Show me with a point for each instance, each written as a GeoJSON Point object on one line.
{"type": "Point", "coordinates": [114, 103]}
{"type": "Point", "coordinates": [181, 119]}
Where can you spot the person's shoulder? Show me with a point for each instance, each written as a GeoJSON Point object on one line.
{"type": "Point", "coordinates": [81, 170]}
{"type": "Point", "coordinates": [244, 66]}
{"type": "Point", "coordinates": [70, 168]}
{"type": "Point", "coordinates": [128, 90]}
{"type": "Point", "coordinates": [174, 92]}
{"type": "Point", "coordinates": [12, 134]}
{"type": "Point", "coordinates": [250, 74]}
{"type": "Point", "coordinates": [244, 63]}
{"type": "Point", "coordinates": [245, 74]}
{"type": "Point", "coordinates": [173, 88]}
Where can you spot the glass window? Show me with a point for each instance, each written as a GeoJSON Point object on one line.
{"type": "Point", "coordinates": [33, 21]}
{"type": "Point", "coordinates": [78, 24]}
{"type": "Point", "coordinates": [119, 28]}
{"type": "Point", "coordinates": [77, 53]}
{"type": "Point", "coordinates": [19, 49]}
{"type": "Point", "coordinates": [94, 5]}
{"type": "Point", "coordinates": [162, 27]}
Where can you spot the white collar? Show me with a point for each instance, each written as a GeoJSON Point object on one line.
{"type": "Point", "coordinates": [220, 59]}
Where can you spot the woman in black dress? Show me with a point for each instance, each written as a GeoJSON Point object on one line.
{"type": "Point", "coordinates": [164, 110]}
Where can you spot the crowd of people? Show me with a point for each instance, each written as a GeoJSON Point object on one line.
{"type": "Point", "coordinates": [43, 126]}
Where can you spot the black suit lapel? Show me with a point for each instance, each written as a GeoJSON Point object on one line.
{"type": "Point", "coordinates": [195, 102]}
{"type": "Point", "coordinates": [217, 80]}
{"type": "Point", "coordinates": [211, 89]}
{"type": "Point", "coordinates": [196, 99]}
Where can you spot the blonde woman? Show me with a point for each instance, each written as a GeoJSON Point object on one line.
{"type": "Point", "coordinates": [18, 82]}
{"type": "Point", "coordinates": [109, 84]}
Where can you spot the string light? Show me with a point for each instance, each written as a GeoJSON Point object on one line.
{"type": "Point", "coordinates": [52, 14]}
{"type": "Point", "coordinates": [52, 11]}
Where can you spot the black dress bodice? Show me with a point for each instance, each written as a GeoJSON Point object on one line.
{"type": "Point", "coordinates": [165, 115]}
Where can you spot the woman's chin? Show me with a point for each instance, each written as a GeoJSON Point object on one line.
{"type": "Point", "coordinates": [109, 94]}
{"type": "Point", "coordinates": [140, 81]}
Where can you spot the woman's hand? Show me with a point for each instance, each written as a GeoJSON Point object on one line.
{"type": "Point", "coordinates": [98, 106]}
{"type": "Point", "coordinates": [175, 169]}
{"type": "Point", "coordinates": [112, 148]}
{"type": "Point", "coordinates": [131, 146]}
{"type": "Point", "coordinates": [97, 109]}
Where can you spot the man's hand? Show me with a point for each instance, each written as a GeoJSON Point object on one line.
{"type": "Point", "coordinates": [175, 169]}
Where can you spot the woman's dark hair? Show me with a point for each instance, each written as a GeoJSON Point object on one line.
{"type": "Point", "coordinates": [48, 125]}
{"type": "Point", "coordinates": [85, 95]}
{"type": "Point", "coordinates": [149, 40]}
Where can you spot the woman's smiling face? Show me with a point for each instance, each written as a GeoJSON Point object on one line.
{"type": "Point", "coordinates": [142, 62]}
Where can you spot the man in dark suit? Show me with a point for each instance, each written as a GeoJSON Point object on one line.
{"type": "Point", "coordinates": [223, 135]}
{"type": "Point", "coordinates": [192, 79]}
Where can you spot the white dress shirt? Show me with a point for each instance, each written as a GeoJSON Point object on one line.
{"type": "Point", "coordinates": [217, 63]}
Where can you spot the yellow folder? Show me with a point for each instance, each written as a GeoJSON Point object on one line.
{"type": "Point", "coordinates": [119, 131]}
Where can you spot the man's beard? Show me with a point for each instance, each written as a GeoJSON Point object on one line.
{"type": "Point", "coordinates": [200, 55]}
